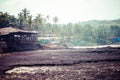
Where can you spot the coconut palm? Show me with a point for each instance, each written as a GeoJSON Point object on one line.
{"type": "Point", "coordinates": [39, 19]}
{"type": "Point", "coordinates": [55, 19]}
{"type": "Point", "coordinates": [30, 21]}
{"type": "Point", "coordinates": [20, 20]}
{"type": "Point", "coordinates": [25, 13]}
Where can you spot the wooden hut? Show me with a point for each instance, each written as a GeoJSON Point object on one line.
{"type": "Point", "coordinates": [13, 39]}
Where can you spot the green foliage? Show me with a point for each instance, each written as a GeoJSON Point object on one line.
{"type": "Point", "coordinates": [94, 32]}
{"type": "Point", "coordinates": [88, 34]}
{"type": "Point", "coordinates": [6, 20]}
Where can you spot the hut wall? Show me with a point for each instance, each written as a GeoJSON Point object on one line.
{"type": "Point", "coordinates": [3, 46]}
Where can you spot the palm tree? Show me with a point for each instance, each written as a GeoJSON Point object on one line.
{"type": "Point", "coordinates": [48, 17]}
{"type": "Point", "coordinates": [30, 21]}
{"type": "Point", "coordinates": [25, 13]}
{"type": "Point", "coordinates": [20, 20]}
{"type": "Point", "coordinates": [12, 21]}
{"type": "Point", "coordinates": [38, 22]}
{"type": "Point", "coordinates": [23, 19]}
{"type": "Point", "coordinates": [55, 19]}
{"type": "Point", "coordinates": [39, 19]}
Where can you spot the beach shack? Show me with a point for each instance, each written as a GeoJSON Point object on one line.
{"type": "Point", "coordinates": [13, 39]}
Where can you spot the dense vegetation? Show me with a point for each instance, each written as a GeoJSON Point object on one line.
{"type": "Point", "coordinates": [94, 32]}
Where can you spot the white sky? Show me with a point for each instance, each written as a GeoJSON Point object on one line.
{"type": "Point", "coordinates": [66, 10]}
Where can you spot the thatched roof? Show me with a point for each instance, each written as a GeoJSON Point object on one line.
{"type": "Point", "coordinates": [8, 30]}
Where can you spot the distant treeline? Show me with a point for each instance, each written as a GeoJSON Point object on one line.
{"type": "Point", "coordinates": [94, 32]}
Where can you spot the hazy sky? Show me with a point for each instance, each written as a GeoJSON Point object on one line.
{"type": "Point", "coordinates": [66, 10]}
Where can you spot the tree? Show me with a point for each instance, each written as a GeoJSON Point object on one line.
{"type": "Point", "coordinates": [12, 21]}
{"type": "Point", "coordinates": [37, 23]}
{"type": "Point", "coordinates": [48, 17]}
{"type": "Point", "coordinates": [20, 20]}
{"type": "Point", "coordinates": [55, 19]}
{"type": "Point", "coordinates": [24, 19]}
{"type": "Point", "coordinates": [25, 13]}
{"type": "Point", "coordinates": [39, 19]}
{"type": "Point", "coordinates": [5, 19]}
{"type": "Point", "coordinates": [115, 30]}
{"type": "Point", "coordinates": [30, 21]}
